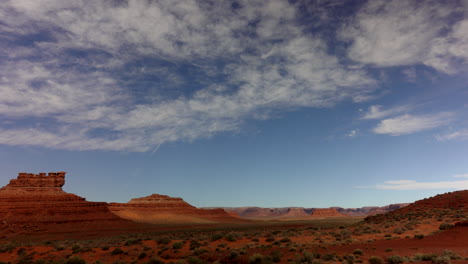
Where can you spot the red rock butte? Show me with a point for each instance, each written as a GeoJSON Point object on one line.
{"type": "Point", "coordinates": [39, 198]}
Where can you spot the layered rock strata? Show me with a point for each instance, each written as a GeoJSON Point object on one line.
{"type": "Point", "coordinates": [39, 198]}
{"type": "Point", "coordinates": [323, 213]}
{"type": "Point", "coordinates": [158, 208]}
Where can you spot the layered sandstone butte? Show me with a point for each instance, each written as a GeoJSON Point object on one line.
{"type": "Point", "coordinates": [324, 213]}
{"type": "Point", "coordinates": [158, 208]}
{"type": "Point", "coordinates": [39, 198]}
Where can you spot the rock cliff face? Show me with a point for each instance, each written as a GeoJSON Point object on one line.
{"type": "Point", "coordinates": [158, 208]}
{"type": "Point", "coordinates": [39, 198]}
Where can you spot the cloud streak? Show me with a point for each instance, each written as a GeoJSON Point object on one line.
{"type": "Point", "coordinates": [408, 124]}
{"type": "Point", "coordinates": [414, 185]}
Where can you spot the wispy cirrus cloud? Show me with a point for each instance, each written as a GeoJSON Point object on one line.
{"type": "Point", "coordinates": [408, 124]}
{"type": "Point", "coordinates": [415, 185]}
{"type": "Point", "coordinates": [377, 112]}
{"type": "Point", "coordinates": [456, 135]}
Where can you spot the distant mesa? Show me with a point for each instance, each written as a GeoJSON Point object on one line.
{"type": "Point", "coordinates": [324, 213]}
{"type": "Point", "coordinates": [158, 208]}
{"type": "Point", "coordinates": [39, 198]}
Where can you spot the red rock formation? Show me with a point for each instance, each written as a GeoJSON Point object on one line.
{"type": "Point", "coordinates": [295, 212]}
{"type": "Point", "coordinates": [39, 198]}
{"type": "Point", "coordinates": [323, 213]}
{"type": "Point", "coordinates": [158, 208]}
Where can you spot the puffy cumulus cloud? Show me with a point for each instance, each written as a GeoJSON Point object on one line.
{"type": "Point", "coordinates": [395, 33]}
{"type": "Point", "coordinates": [130, 75]}
{"type": "Point", "coordinates": [408, 124]}
{"type": "Point", "coordinates": [415, 185]}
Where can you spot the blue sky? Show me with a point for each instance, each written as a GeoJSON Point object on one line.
{"type": "Point", "coordinates": [235, 103]}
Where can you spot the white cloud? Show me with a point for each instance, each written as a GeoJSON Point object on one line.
{"type": "Point", "coordinates": [395, 33]}
{"type": "Point", "coordinates": [353, 133]}
{"type": "Point", "coordinates": [457, 135]}
{"type": "Point", "coordinates": [83, 85]}
{"type": "Point", "coordinates": [408, 124]}
{"type": "Point", "coordinates": [414, 185]}
{"type": "Point", "coordinates": [376, 112]}
{"type": "Point", "coordinates": [461, 175]}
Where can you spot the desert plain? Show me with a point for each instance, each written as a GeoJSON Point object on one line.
{"type": "Point", "coordinates": [41, 223]}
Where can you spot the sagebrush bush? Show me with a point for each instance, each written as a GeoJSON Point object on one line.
{"type": "Point", "coordinates": [375, 260]}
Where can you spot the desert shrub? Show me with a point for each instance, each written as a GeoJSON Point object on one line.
{"type": "Point", "coordinates": [259, 259]}
{"type": "Point", "coordinates": [395, 259]}
{"type": "Point", "coordinates": [425, 257]}
{"type": "Point", "coordinates": [276, 256]}
{"type": "Point", "coordinates": [231, 237]}
{"type": "Point", "coordinates": [388, 250]}
{"type": "Point", "coordinates": [194, 244]}
{"type": "Point", "coordinates": [419, 236]}
{"type": "Point", "coordinates": [142, 255]}
{"type": "Point", "coordinates": [177, 245]}
{"type": "Point", "coordinates": [441, 260]}
{"type": "Point", "coordinates": [164, 240]}
{"type": "Point", "coordinates": [450, 254]}
{"type": "Point", "coordinates": [105, 248]}
{"type": "Point", "coordinates": [358, 252]}
{"type": "Point", "coordinates": [399, 230]}
{"type": "Point", "coordinates": [285, 240]}
{"type": "Point", "coordinates": [349, 259]}
{"type": "Point", "coordinates": [117, 251]}
{"type": "Point", "coordinates": [200, 251]}
{"type": "Point", "coordinates": [216, 236]}
{"type": "Point", "coordinates": [375, 260]}
{"type": "Point", "coordinates": [134, 241]}
{"type": "Point", "coordinates": [194, 260]}
{"type": "Point", "coordinates": [75, 260]}
{"type": "Point", "coordinates": [445, 226]}
{"type": "Point", "coordinates": [270, 239]}
{"type": "Point", "coordinates": [75, 247]}
{"type": "Point", "coordinates": [255, 239]}
{"type": "Point", "coordinates": [155, 261]}
{"type": "Point", "coordinates": [40, 261]}
{"type": "Point", "coordinates": [329, 257]}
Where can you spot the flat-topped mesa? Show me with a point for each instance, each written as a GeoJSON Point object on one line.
{"type": "Point", "coordinates": [53, 181]}
{"type": "Point", "coordinates": [160, 201]}
{"type": "Point", "coordinates": [326, 212]}
{"type": "Point", "coordinates": [39, 198]}
{"type": "Point", "coordinates": [158, 208]}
